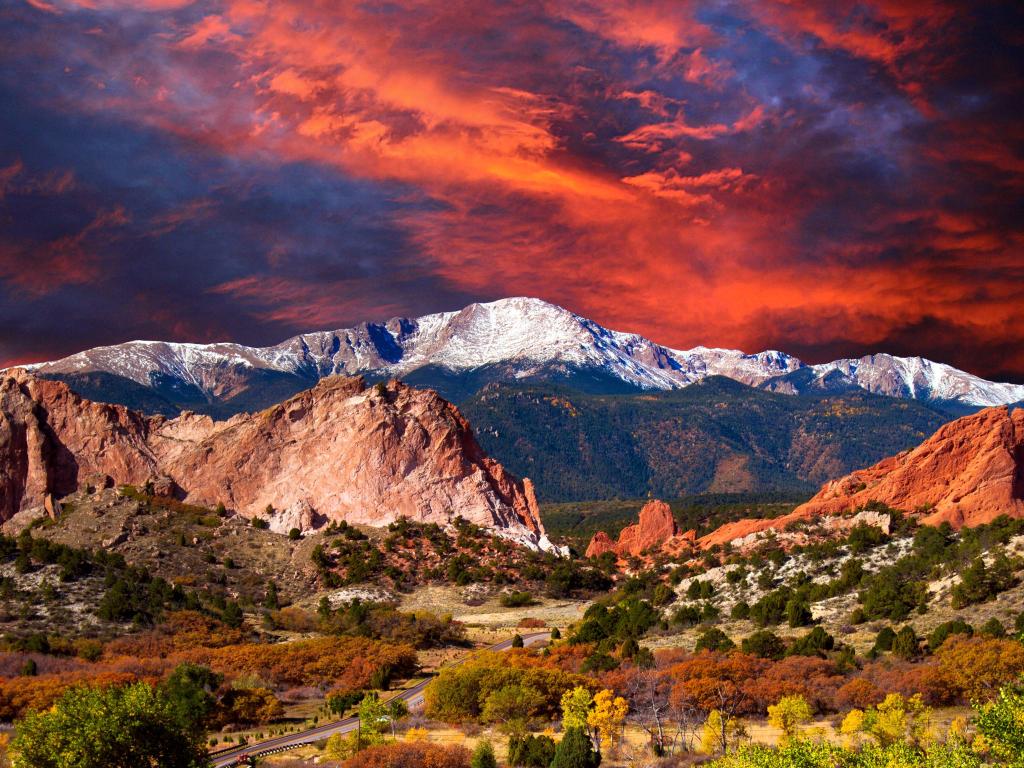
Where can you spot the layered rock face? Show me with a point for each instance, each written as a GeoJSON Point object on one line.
{"type": "Point", "coordinates": [968, 473]}
{"type": "Point", "coordinates": [655, 530]}
{"type": "Point", "coordinates": [340, 451]}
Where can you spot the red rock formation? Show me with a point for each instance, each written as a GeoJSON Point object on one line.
{"type": "Point", "coordinates": [968, 473]}
{"type": "Point", "coordinates": [338, 451]}
{"type": "Point", "coordinates": [50, 437]}
{"type": "Point", "coordinates": [655, 529]}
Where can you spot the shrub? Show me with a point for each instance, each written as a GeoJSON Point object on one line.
{"type": "Point", "coordinates": [517, 599]}
{"type": "Point", "coordinates": [992, 628]}
{"type": "Point", "coordinates": [942, 632]}
{"type": "Point", "coordinates": [410, 754]}
{"type": "Point", "coordinates": [906, 644]}
{"type": "Point", "coordinates": [531, 751]}
{"type": "Point", "coordinates": [714, 639]}
{"type": "Point", "coordinates": [814, 643]}
{"type": "Point", "coordinates": [765, 644]}
{"type": "Point", "coordinates": [575, 751]}
{"type": "Point", "coordinates": [483, 756]}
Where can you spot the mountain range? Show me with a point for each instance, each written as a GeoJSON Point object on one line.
{"type": "Point", "coordinates": [458, 353]}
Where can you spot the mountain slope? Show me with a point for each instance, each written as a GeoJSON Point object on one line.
{"type": "Point", "coordinates": [716, 436]}
{"type": "Point", "coordinates": [340, 451]}
{"type": "Point", "coordinates": [515, 339]}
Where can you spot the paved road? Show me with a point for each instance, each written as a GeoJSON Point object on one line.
{"type": "Point", "coordinates": [413, 698]}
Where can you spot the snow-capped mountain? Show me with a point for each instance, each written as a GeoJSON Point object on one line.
{"type": "Point", "coordinates": [510, 339]}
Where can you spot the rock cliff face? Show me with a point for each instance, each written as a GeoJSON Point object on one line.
{"type": "Point", "coordinates": [655, 530]}
{"type": "Point", "coordinates": [968, 473]}
{"type": "Point", "coordinates": [340, 451]}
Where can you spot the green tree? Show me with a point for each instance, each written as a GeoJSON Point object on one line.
{"type": "Point", "coordinates": [511, 707]}
{"type": "Point", "coordinates": [575, 751]}
{"type": "Point", "coordinates": [483, 756]}
{"type": "Point", "coordinates": [1001, 722]}
{"type": "Point", "coordinates": [115, 727]}
{"type": "Point", "coordinates": [374, 718]}
{"type": "Point", "coordinates": [798, 613]}
{"type": "Point", "coordinates": [189, 693]}
{"type": "Point", "coordinates": [906, 644]}
{"type": "Point", "coordinates": [576, 706]}
{"type": "Point", "coordinates": [941, 633]}
{"type": "Point", "coordinates": [531, 751]}
{"type": "Point", "coordinates": [714, 639]}
{"type": "Point", "coordinates": [765, 644]}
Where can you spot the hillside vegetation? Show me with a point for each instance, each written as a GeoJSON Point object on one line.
{"type": "Point", "coordinates": [716, 436]}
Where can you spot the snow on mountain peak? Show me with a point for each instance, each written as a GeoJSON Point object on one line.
{"type": "Point", "coordinates": [524, 337]}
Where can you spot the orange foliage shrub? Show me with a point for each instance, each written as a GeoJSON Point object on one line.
{"type": "Point", "coordinates": [708, 679]}
{"type": "Point", "coordinates": [817, 680]}
{"type": "Point", "coordinates": [410, 754]}
{"type": "Point", "coordinates": [20, 694]}
{"type": "Point", "coordinates": [975, 668]}
{"type": "Point", "coordinates": [181, 631]}
{"type": "Point", "coordinates": [346, 663]}
{"type": "Point", "coordinates": [858, 693]}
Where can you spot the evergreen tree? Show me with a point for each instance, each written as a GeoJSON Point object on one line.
{"type": "Point", "coordinates": [483, 756]}
{"type": "Point", "coordinates": [575, 751]}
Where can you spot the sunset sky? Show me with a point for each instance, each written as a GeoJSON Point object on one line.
{"type": "Point", "coordinates": [752, 175]}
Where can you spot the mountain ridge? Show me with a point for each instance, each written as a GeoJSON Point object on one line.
{"type": "Point", "coordinates": [458, 352]}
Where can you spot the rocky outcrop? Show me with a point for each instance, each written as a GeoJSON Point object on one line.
{"type": "Point", "coordinates": [655, 530]}
{"type": "Point", "coordinates": [340, 451]}
{"type": "Point", "coordinates": [51, 437]}
{"type": "Point", "coordinates": [968, 473]}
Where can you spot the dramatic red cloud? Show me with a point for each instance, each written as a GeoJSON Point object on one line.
{"type": "Point", "coordinates": [792, 174]}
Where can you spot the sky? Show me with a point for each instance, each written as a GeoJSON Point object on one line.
{"type": "Point", "coordinates": [829, 179]}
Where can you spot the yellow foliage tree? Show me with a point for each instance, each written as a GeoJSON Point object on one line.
{"type": "Point", "coordinates": [576, 704]}
{"type": "Point", "coordinates": [852, 727]}
{"type": "Point", "coordinates": [789, 714]}
{"type": "Point", "coordinates": [717, 733]}
{"type": "Point", "coordinates": [607, 717]}
{"type": "Point", "coordinates": [895, 719]}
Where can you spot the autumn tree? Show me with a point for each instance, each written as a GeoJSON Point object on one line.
{"type": "Point", "coordinates": [511, 707]}
{"type": "Point", "coordinates": [789, 714]}
{"type": "Point", "coordinates": [607, 718]}
{"type": "Point", "coordinates": [978, 667]}
{"type": "Point", "coordinates": [1001, 722]}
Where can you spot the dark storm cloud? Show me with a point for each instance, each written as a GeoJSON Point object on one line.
{"type": "Point", "coordinates": [827, 180]}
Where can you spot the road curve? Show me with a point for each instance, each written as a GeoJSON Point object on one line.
{"type": "Point", "coordinates": [413, 697]}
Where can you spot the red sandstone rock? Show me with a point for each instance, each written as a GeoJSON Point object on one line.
{"type": "Point", "coordinates": [968, 473]}
{"type": "Point", "coordinates": [655, 528]}
{"type": "Point", "coordinates": [340, 451]}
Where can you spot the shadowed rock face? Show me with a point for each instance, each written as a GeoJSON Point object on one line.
{"type": "Point", "coordinates": [339, 451]}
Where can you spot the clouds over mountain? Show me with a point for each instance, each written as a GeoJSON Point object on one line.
{"type": "Point", "coordinates": [777, 175]}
